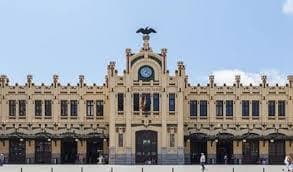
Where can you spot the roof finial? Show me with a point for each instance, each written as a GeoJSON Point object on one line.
{"type": "Point", "coordinates": [146, 31]}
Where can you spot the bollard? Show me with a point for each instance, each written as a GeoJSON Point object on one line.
{"type": "Point", "coordinates": [81, 169]}
{"type": "Point", "coordinates": [233, 169]}
{"type": "Point", "coordinates": [111, 169]}
{"type": "Point", "coordinates": [52, 169]}
{"type": "Point", "coordinates": [21, 169]}
{"type": "Point", "coordinates": [142, 169]}
{"type": "Point", "coordinates": [172, 169]}
{"type": "Point", "coordinates": [263, 169]}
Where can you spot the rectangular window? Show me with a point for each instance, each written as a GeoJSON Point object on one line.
{"type": "Point", "coordinates": [171, 102]}
{"type": "Point", "coordinates": [255, 108]}
{"type": "Point", "coordinates": [281, 108]}
{"type": "Point", "coordinates": [89, 108]}
{"type": "Point", "coordinates": [193, 107]}
{"type": "Point", "coordinates": [245, 107]}
{"type": "Point", "coordinates": [156, 102]}
{"type": "Point", "coordinates": [271, 108]}
{"type": "Point", "coordinates": [203, 104]}
{"type": "Point", "coordinates": [73, 108]}
{"type": "Point", "coordinates": [172, 140]}
{"type": "Point", "coordinates": [120, 102]}
{"type": "Point", "coordinates": [38, 107]}
{"type": "Point", "coordinates": [22, 107]}
{"type": "Point", "coordinates": [64, 108]}
{"type": "Point", "coordinates": [135, 102]}
{"type": "Point", "coordinates": [12, 107]}
{"type": "Point", "coordinates": [120, 140]}
{"type": "Point", "coordinates": [219, 108]}
{"type": "Point", "coordinates": [146, 102]}
{"type": "Point", "coordinates": [229, 107]}
{"type": "Point", "coordinates": [48, 107]}
{"type": "Point", "coordinates": [100, 107]}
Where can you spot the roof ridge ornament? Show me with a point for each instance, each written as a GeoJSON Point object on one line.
{"type": "Point", "coordinates": [146, 31]}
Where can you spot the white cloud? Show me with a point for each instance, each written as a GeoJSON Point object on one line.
{"type": "Point", "coordinates": [288, 7]}
{"type": "Point", "coordinates": [228, 76]}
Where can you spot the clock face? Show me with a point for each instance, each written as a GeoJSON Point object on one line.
{"type": "Point", "coordinates": [146, 72]}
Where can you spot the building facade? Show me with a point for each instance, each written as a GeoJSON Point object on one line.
{"type": "Point", "coordinates": [144, 116]}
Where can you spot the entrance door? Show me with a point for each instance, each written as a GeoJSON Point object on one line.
{"type": "Point", "coordinates": [68, 151]}
{"type": "Point", "coordinates": [224, 149]}
{"type": "Point", "coordinates": [94, 149]}
{"type": "Point", "coordinates": [250, 152]}
{"type": "Point", "coordinates": [277, 152]}
{"type": "Point", "coordinates": [196, 148]}
{"type": "Point", "coordinates": [17, 151]}
{"type": "Point", "coordinates": [146, 147]}
{"type": "Point", "coordinates": [43, 151]}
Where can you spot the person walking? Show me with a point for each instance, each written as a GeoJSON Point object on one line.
{"type": "Point", "coordinates": [2, 158]}
{"type": "Point", "coordinates": [288, 163]}
{"type": "Point", "coordinates": [202, 161]}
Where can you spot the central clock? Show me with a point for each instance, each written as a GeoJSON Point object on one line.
{"type": "Point", "coordinates": [146, 73]}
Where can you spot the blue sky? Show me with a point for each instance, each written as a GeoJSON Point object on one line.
{"type": "Point", "coordinates": [71, 37]}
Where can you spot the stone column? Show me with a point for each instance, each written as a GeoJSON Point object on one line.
{"type": "Point", "coordinates": [163, 155]}
{"type": "Point", "coordinates": [81, 151]}
{"type": "Point", "coordinates": [180, 128]}
{"type": "Point", "coordinates": [187, 152]}
{"type": "Point", "coordinates": [4, 147]}
{"type": "Point", "coordinates": [112, 131]}
{"type": "Point", "coordinates": [128, 133]}
{"type": "Point", "coordinates": [264, 150]}
{"type": "Point", "coordinates": [289, 147]}
{"type": "Point", "coordinates": [30, 151]}
{"type": "Point", "coordinates": [237, 151]}
{"type": "Point", "coordinates": [56, 151]}
{"type": "Point", "coordinates": [212, 151]}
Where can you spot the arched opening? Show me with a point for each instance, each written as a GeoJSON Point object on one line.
{"type": "Point", "coordinates": [68, 150]}
{"type": "Point", "coordinates": [250, 148]}
{"type": "Point", "coordinates": [146, 147]}
{"type": "Point", "coordinates": [43, 150]}
{"type": "Point", "coordinates": [198, 145]}
{"type": "Point", "coordinates": [17, 150]}
{"type": "Point", "coordinates": [276, 148]}
{"type": "Point", "coordinates": [224, 148]}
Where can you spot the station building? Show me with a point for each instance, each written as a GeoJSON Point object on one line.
{"type": "Point", "coordinates": [144, 116]}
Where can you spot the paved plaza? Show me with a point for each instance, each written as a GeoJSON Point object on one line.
{"type": "Point", "coordinates": [141, 168]}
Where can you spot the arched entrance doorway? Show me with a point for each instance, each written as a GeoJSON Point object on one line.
{"type": "Point", "coordinates": [250, 148]}
{"type": "Point", "coordinates": [224, 148]}
{"type": "Point", "coordinates": [276, 148]}
{"type": "Point", "coordinates": [43, 150]}
{"type": "Point", "coordinates": [17, 153]}
{"type": "Point", "coordinates": [146, 147]}
{"type": "Point", "coordinates": [68, 150]}
{"type": "Point", "coordinates": [198, 145]}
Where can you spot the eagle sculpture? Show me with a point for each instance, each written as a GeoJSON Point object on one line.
{"type": "Point", "coordinates": [146, 30]}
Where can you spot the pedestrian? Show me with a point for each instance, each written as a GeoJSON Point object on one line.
{"type": "Point", "coordinates": [202, 161]}
{"type": "Point", "coordinates": [225, 159]}
{"type": "Point", "coordinates": [288, 163]}
{"type": "Point", "coordinates": [2, 158]}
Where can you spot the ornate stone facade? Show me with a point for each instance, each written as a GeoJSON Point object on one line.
{"type": "Point", "coordinates": [173, 120]}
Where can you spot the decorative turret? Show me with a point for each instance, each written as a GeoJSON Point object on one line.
{"type": "Point", "coordinates": [181, 68]}
{"type": "Point", "coordinates": [3, 80]}
{"type": "Point", "coordinates": [128, 54]}
{"type": "Point", "coordinates": [290, 79]}
{"type": "Point", "coordinates": [164, 57]}
{"type": "Point", "coordinates": [264, 80]}
{"type": "Point", "coordinates": [212, 80]}
{"type": "Point", "coordinates": [81, 80]}
{"type": "Point", "coordinates": [237, 80]}
{"type": "Point", "coordinates": [111, 68]}
{"type": "Point", "coordinates": [29, 80]}
{"type": "Point", "coordinates": [55, 80]}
